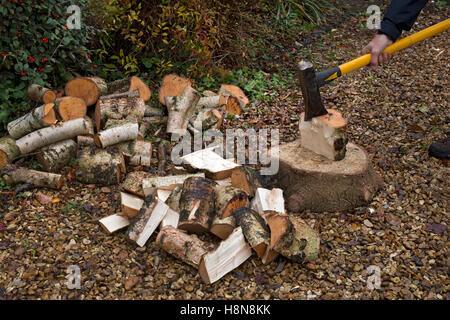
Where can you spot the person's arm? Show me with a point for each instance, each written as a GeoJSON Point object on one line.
{"type": "Point", "coordinates": [400, 15]}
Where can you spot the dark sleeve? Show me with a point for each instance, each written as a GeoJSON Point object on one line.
{"type": "Point", "coordinates": [399, 16]}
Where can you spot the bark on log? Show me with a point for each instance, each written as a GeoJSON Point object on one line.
{"type": "Point", "coordinates": [197, 205]}
{"type": "Point", "coordinates": [268, 200]}
{"type": "Point", "coordinates": [87, 88]}
{"type": "Point", "coordinates": [150, 185]}
{"type": "Point", "coordinates": [188, 249]}
{"type": "Point", "coordinates": [230, 254]}
{"type": "Point", "coordinates": [181, 110]}
{"type": "Point", "coordinates": [57, 155]}
{"type": "Point", "coordinates": [40, 94]}
{"type": "Point", "coordinates": [117, 109]}
{"type": "Point", "coordinates": [247, 179]}
{"type": "Point", "coordinates": [133, 182]}
{"type": "Point", "coordinates": [207, 119]}
{"type": "Point", "coordinates": [223, 227]}
{"type": "Point", "coordinates": [130, 84]}
{"type": "Point", "coordinates": [38, 118]}
{"type": "Point", "coordinates": [8, 151]}
{"type": "Point", "coordinates": [131, 205]}
{"type": "Point", "coordinates": [49, 135]}
{"type": "Point", "coordinates": [116, 134]}
{"type": "Point", "coordinates": [114, 223]}
{"type": "Point", "coordinates": [311, 182]}
{"type": "Point", "coordinates": [228, 199]}
{"type": "Point", "coordinates": [174, 199]}
{"type": "Point", "coordinates": [13, 174]}
{"type": "Point", "coordinates": [293, 238]}
{"type": "Point", "coordinates": [136, 153]}
{"type": "Point", "coordinates": [99, 166]}
{"type": "Point", "coordinates": [85, 141]}
{"type": "Point", "coordinates": [70, 108]}
{"type": "Point", "coordinates": [153, 112]}
{"type": "Point", "coordinates": [172, 86]}
{"type": "Point", "coordinates": [129, 94]}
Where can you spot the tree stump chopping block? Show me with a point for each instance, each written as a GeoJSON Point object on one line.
{"type": "Point", "coordinates": [313, 182]}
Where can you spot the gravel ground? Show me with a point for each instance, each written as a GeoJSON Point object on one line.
{"type": "Point", "coordinates": [395, 113]}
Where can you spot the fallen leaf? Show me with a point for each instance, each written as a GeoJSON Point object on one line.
{"type": "Point", "coordinates": [42, 198]}
{"type": "Point", "coordinates": [436, 228]}
{"type": "Point", "coordinates": [131, 282]}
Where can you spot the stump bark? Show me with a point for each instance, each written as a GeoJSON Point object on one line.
{"type": "Point", "coordinates": [41, 94]}
{"type": "Point", "coordinates": [13, 174]}
{"type": "Point", "coordinates": [38, 118]}
{"type": "Point", "coordinates": [8, 151]}
{"type": "Point", "coordinates": [57, 155]}
{"type": "Point", "coordinates": [88, 89]}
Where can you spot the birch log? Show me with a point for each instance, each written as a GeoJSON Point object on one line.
{"type": "Point", "coordinates": [228, 199]}
{"type": "Point", "coordinates": [172, 86]}
{"type": "Point", "coordinates": [117, 109]}
{"type": "Point", "coordinates": [117, 134]}
{"type": "Point", "coordinates": [38, 118]}
{"type": "Point", "coordinates": [55, 156]}
{"type": "Point", "coordinates": [70, 108]}
{"type": "Point", "coordinates": [8, 151]}
{"type": "Point", "coordinates": [130, 84]}
{"type": "Point", "coordinates": [87, 88]}
{"type": "Point", "coordinates": [181, 109]}
{"type": "Point", "coordinates": [41, 94]}
{"type": "Point", "coordinates": [12, 174]}
{"type": "Point", "coordinates": [133, 182]}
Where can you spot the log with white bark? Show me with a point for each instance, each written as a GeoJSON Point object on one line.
{"type": "Point", "coordinates": [13, 174]}
{"type": "Point", "coordinates": [117, 109]}
{"type": "Point", "coordinates": [229, 255]}
{"type": "Point", "coordinates": [136, 153]}
{"type": "Point", "coordinates": [268, 200]}
{"type": "Point", "coordinates": [99, 166]}
{"type": "Point", "coordinates": [87, 88]}
{"type": "Point", "coordinates": [207, 119]}
{"type": "Point", "coordinates": [150, 185]}
{"type": "Point", "coordinates": [172, 86]}
{"type": "Point", "coordinates": [45, 136]}
{"type": "Point", "coordinates": [116, 134]}
{"type": "Point", "coordinates": [187, 248]}
{"type": "Point", "coordinates": [38, 118]}
{"type": "Point", "coordinates": [114, 223]}
{"type": "Point", "coordinates": [293, 238]}
{"type": "Point", "coordinates": [128, 85]}
{"type": "Point", "coordinates": [41, 94]}
{"type": "Point", "coordinates": [57, 155]}
{"type": "Point", "coordinates": [70, 108]}
{"type": "Point", "coordinates": [325, 135]}
{"type": "Point", "coordinates": [133, 182]}
{"type": "Point", "coordinates": [181, 108]}
{"type": "Point", "coordinates": [147, 220]}
{"type": "Point", "coordinates": [222, 228]}
{"type": "Point", "coordinates": [197, 205]}
{"type": "Point", "coordinates": [247, 179]}
{"type": "Point", "coordinates": [8, 151]}
{"type": "Point", "coordinates": [153, 112]}
{"type": "Point", "coordinates": [131, 204]}
{"type": "Point", "coordinates": [228, 199]}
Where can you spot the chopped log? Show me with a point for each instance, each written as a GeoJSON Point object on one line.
{"type": "Point", "coordinates": [130, 204]}
{"type": "Point", "coordinates": [312, 182]}
{"type": "Point", "coordinates": [136, 153]}
{"type": "Point", "coordinates": [57, 155]}
{"type": "Point", "coordinates": [133, 182]}
{"type": "Point", "coordinates": [268, 200]}
{"type": "Point", "coordinates": [117, 109]}
{"type": "Point", "coordinates": [49, 135]}
{"type": "Point", "coordinates": [230, 254]}
{"type": "Point", "coordinates": [85, 141]}
{"type": "Point", "coordinates": [211, 102]}
{"type": "Point", "coordinates": [223, 227]}
{"type": "Point", "coordinates": [206, 160]}
{"type": "Point", "coordinates": [114, 223]}
{"type": "Point", "coordinates": [172, 86]}
{"type": "Point", "coordinates": [128, 85]}
{"type": "Point", "coordinates": [153, 112]}
{"type": "Point", "coordinates": [13, 174]}
{"type": "Point", "coordinates": [147, 220]}
{"type": "Point", "coordinates": [173, 201]}
{"type": "Point", "coordinates": [207, 119]}
{"type": "Point", "coordinates": [38, 118]}
{"type": "Point", "coordinates": [324, 135]}
{"type": "Point", "coordinates": [163, 194]}
{"type": "Point", "coordinates": [70, 108]}
{"type": "Point", "coordinates": [228, 199]}
{"type": "Point", "coordinates": [247, 179]}
{"type": "Point", "coordinates": [197, 205]}
{"type": "Point", "coordinates": [240, 101]}
{"type": "Point", "coordinates": [256, 232]}
{"type": "Point", "coordinates": [150, 185]}
{"type": "Point", "coordinates": [181, 110]}
{"type": "Point", "coordinates": [293, 238]}
{"type": "Point", "coordinates": [171, 219]}
{"type": "Point", "coordinates": [187, 248]}
{"type": "Point", "coordinates": [8, 151]}
{"type": "Point", "coordinates": [99, 166]}
{"type": "Point", "coordinates": [87, 88]}
{"type": "Point", "coordinates": [117, 134]}
{"type": "Point", "coordinates": [40, 94]}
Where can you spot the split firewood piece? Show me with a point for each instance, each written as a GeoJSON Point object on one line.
{"type": "Point", "coordinates": [172, 86]}
{"type": "Point", "coordinates": [117, 109]}
{"type": "Point", "coordinates": [171, 219]}
{"type": "Point", "coordinates": [247, 179]}
{"type": "Point", "coordinates": [147, 220]}
{"type": "Point", "coordinates": [136, 153]}
{"type": "Point", "coordinates": [187, 248]}
{"type": "Point", "coordinates": [255, 231]}
{"type": "Point", "coordinates": [181, 108]}
{"type": "Point", "coordinates": [206, 160]}
{"type": "Point", "coordinates": [85, 141]}
{"type": "Point", "coordinates": [153, 112]}
{"type": "Point", "coordinates": [163, 194]}
{"type": "Point", "coordinates": [229, 255]}
{"type": "Point", "coordinates": [38, 118]}
{"type": "Point", "coordinates": [131, 204]}
{"type": "Point", "coordinates": [293, 238]}
{"type": "Point", "coordinates": [116, 134]}
{"type": "Point", "coordinates": [325, 135]}
{"type": "Point", "coordinates": [268, 200]}
{"type": "Point", "coordinates": [114, 223]}
{"type": "Point", "coordinates": [45, 136]}
{"type": "Point", "coordinates": [40, 94]}
{"type": "Point", "coordinates": [240, 101]}
{"type": "Point", "coordinates": [133, 182]}
{"type": "Point", "coordinates": [13, 174]}
{"type": "Point", "coordinates": [223, 227]}
{"type": "Point", "coordinates": [207, 119]}
{"type": "Point", "coordinates": [197, 205]}
{"type": "Point", "coordinates": [228, 199]}
{"type": "Point", "coordinates": [173, 201]}
{"type": "Point", "coordinates": [87, 88]}
{"type": "Point", "coordinates": [151, 185]}
{"type": "Point", "coordinates": [70, 108]}
{"type": "Point", "coordinates": [130, 84]}
{"type": "Point", "coordinates": [99, 166]}
{"type": "Point", "coordinates": [57, 155]}
{"type": "Point", "coordinates": [8, 151]}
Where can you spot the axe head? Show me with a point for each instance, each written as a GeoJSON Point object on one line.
{"type": "Point", "coordinates": [310, 90]}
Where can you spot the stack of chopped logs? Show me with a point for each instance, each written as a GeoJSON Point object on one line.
{"type": "Point", "coordinates": [207, 194]}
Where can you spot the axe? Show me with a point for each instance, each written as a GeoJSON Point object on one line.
{"type": "Point", "coordinates": [310, 81]}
